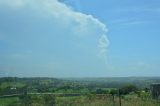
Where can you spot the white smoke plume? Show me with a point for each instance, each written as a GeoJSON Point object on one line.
{"type": "Point", "coordinates": [78, 23]}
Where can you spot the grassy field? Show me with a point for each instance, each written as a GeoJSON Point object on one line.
{"type": "Point", "coordinates": [91, 92]}
{"type": "Point", "coordinates": [87, 100]}
{"type": "Point", "coordinates": [9, 101]}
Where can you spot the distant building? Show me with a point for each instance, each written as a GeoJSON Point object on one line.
{"type": "Point", "coordinates": [13, 88]}
{"type": "Point", "coordinates": [155, 91]}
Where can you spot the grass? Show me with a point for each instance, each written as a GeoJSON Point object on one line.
{"type": "Point", "coordinates": [82, 101]}
{"type": "Point", "coordinates": [139, 102]}
{"type": "Point", "coordinates": [11, 84]}
{"type": "Point", "coordinates": [9, 101]}
{"type": "Point", "coordinates": [88, 100]}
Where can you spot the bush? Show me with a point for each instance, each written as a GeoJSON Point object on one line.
{"type": "Point", "coordinates": [25, 99]}
{"type": "Point", "coordinates": [113, 91]}
{"type": "Point", "coordinates": [49, 100]}
{"type": "Point", "coordinates": [128, 89]}
{"type": "Point", "coordinates": [101, 91]}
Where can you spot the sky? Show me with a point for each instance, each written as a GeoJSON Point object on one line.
{"type": "Point", "coordinates": [79, 38]}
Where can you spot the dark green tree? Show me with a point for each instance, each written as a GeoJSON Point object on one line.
{"type": "Point", "coordinates": [49, 100]}
{"type": "Point", "coordinates": [128, 89]}
{"type": "Point", "coordinates": [113, 91]}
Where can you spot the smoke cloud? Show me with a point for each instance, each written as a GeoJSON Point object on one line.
{"type": "Point", "coordinates": [54, 33]}
{"type": "Point", "coordinates": [78, 23]}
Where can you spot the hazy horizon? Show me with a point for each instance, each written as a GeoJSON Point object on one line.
{"type": "Point", "coordinates": [79, 38]}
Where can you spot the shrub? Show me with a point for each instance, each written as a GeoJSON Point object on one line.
{"type": "Point", "coordinates": [128, 89]}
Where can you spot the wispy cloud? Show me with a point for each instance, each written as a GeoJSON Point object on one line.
{"type": "Point", "coordinates": [136, 15]}
{"type": "Point", "coordinates": [135, 22]}
{"type": "Point", "coordinates": [138, 10]}
{"type": "Point", "coordinates": [130, 22]}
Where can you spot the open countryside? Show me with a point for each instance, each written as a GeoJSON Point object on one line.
{"type": "Point", "coordinates": [126, 91]}
{"type": "Point", "coordinates": [79, 52]}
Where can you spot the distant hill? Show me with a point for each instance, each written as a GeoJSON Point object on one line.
{"type": "Point", "coordinates": [56, 83]}
{"type": "Point", "coordinates": [117, 81]}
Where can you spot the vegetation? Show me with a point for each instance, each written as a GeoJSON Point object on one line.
{"type": "Point", "coordinates": [87, 100]}
{"type": "Point", "coordinates": [76, 92]}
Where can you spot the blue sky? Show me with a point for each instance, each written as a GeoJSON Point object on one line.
{"type": "Point", "coordinates": [79, 38]}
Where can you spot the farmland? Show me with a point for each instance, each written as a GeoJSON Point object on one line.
{"type": "Point", "coordinates": [134, 91]}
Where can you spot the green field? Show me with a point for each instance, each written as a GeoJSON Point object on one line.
{"type": "Point", "coordinates": [91, 91]}
{"type": "Point", "coordinates": [87, 100]}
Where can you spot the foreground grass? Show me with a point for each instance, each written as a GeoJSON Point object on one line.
{"type": "Point", "coordinates": [103, 101]}
{"type": "Point", "coordinates": [89, 100]}
{"type": "Point", "coordinates": [13, 101]}
{"type": "Point", "coordinates": [139, 102]}
{"type": "Point", "coordinates": [83, 101]}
